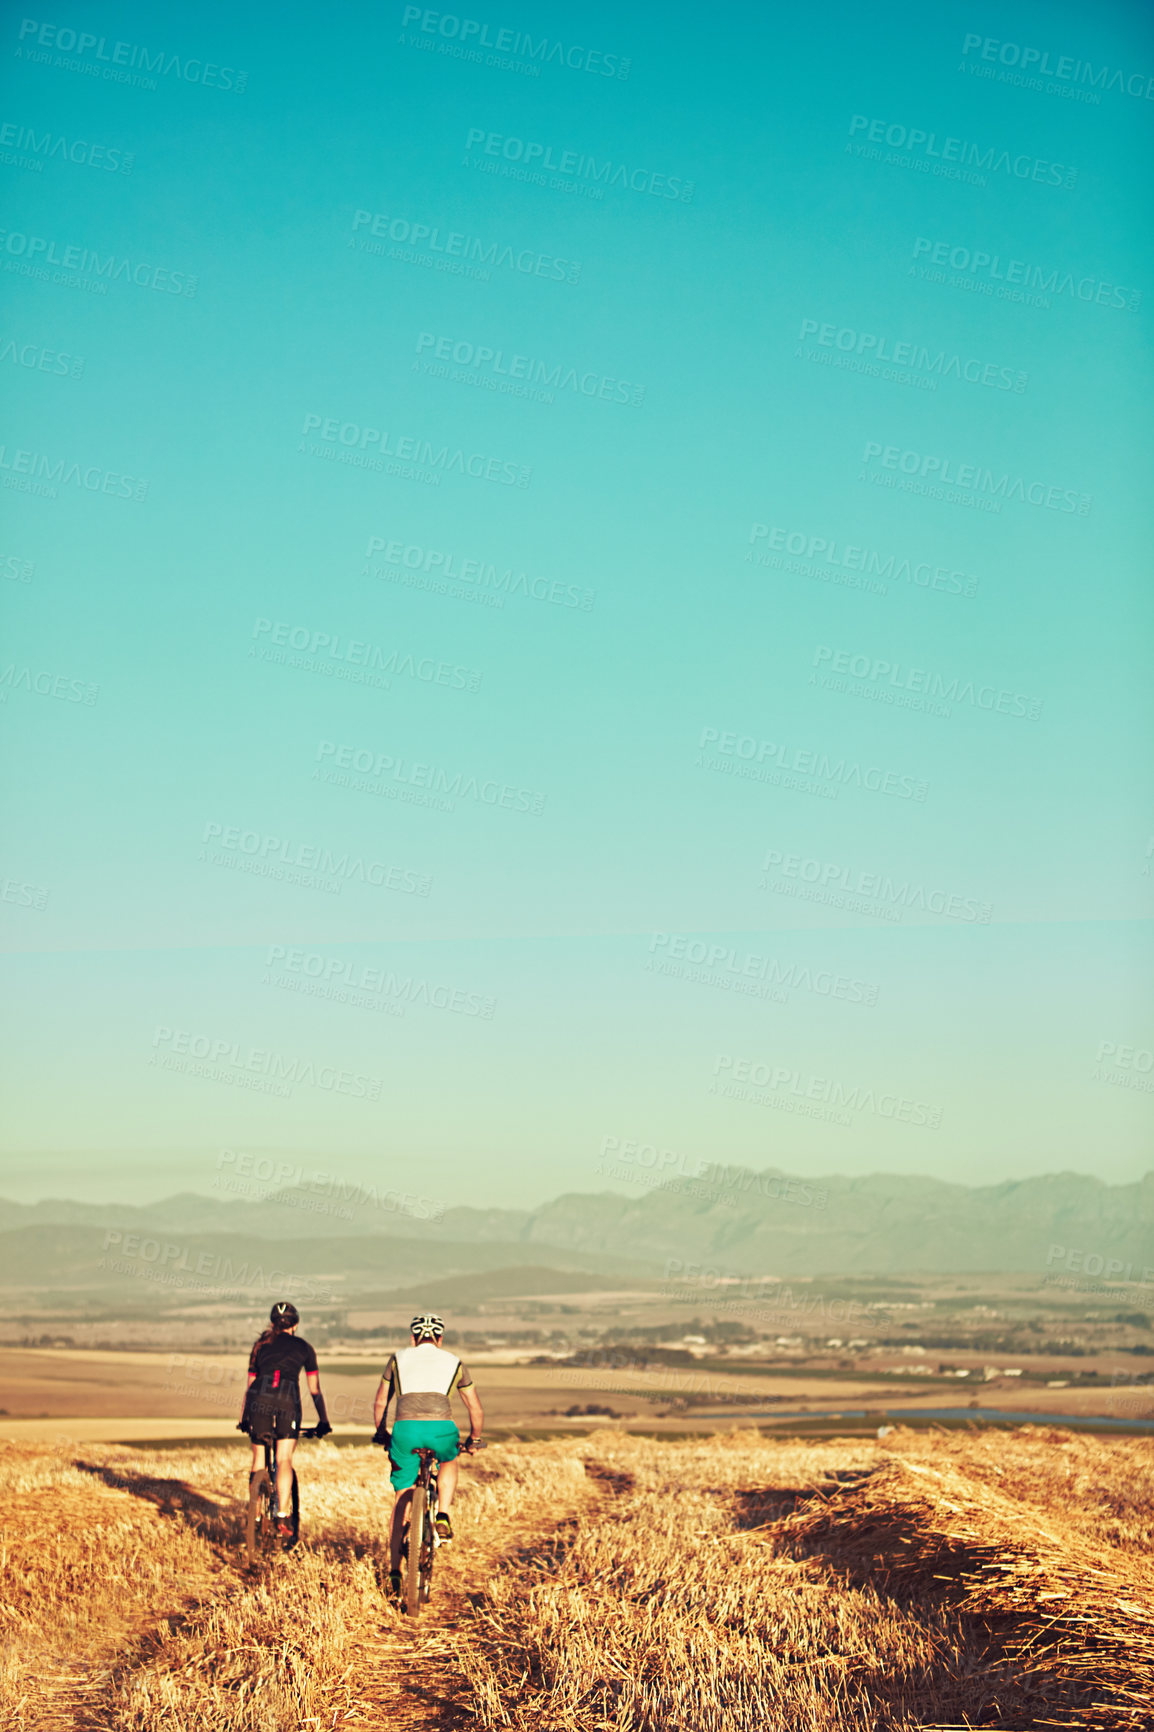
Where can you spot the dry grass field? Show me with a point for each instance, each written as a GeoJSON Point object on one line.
{"type": "Point", "coordinates": [721, 1584]}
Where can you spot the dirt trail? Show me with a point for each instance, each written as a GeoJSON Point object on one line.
{"type": "Point", "coordinates": [406, 1670]}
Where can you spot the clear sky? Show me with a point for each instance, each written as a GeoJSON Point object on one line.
{"type": "Point", "coordinates": [576, 573]}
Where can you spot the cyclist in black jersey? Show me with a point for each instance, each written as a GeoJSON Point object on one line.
{"type": "Point", "coordinates": [272, 1403]}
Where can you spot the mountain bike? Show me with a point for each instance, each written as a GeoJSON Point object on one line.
{"type": "Point", "coordinates": [419, 1536]}
{"type": "Point", "coordinates": [260, 1529]}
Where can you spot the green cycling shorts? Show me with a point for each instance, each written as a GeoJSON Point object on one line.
{"type": "Point", "coordinates": [410, 1434]}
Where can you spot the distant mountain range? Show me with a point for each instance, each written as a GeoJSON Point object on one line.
{"type": "Point", "coordinates": [736, 1221]}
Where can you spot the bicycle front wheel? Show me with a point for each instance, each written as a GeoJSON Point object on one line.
{"type": "Point", "coordinates": [418, 1511]}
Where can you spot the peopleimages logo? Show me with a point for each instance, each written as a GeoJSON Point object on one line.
{"type": "Point", "coordinates": [36, 472]}
{"type": "Point", "coordinates": [1036, 62]}
{"type": "Point", "coordinates": [747, 758]}
{"type": "Point", "coordinates": [531, 155]}
{"type": "Point", "coordinates": [122, 60]}
{"type": "Point", "coordinates": [14, 568]}
{"type": "Point", "coordinates": [338, 977]}
{"type": "Point", "coordinates": [282, 1182]}
{"type": "Point", "coordinates": [220, 1057]}
{"type": "Point", "coordinates": [875, 347]}
{"type": "Point", "coordinates": [279, 856]}
{"type": "Point", "coordinates": [835, 882]}
{"type": "Point", "coordinates": [165, 1260]}
{"type": "Point", "coordinates": [448, 245]}
{"type": "Point", "coordinates": [330, 648]}
{"type": "Point", "coordinates": [367, 447]}
{"type": "Point", "coordinates": [432, 567]}
{"type": "Point", "coordinates": [22, 894]}
{"type": "Point", "coordinates": [46, 684]}
{"type": "Point", "coordinates": [449, 785]}
{"type": "Point", "coordinates": [923, 682]}
{"type": "Point", "coordinates": [1125, 1066]}
{"type": "Point", "coordinates": [37, 252]}
{"type": "Point", "coordinates": [500, 370]}
{"type": "Point", "coordinates": [471, 34]}
{"type": "Point", "coordinates": [927, 148]}
{"type": "Point", "coordinates": [849, 557]}
{"type": "Point", "coordinates": [989, 268]}
{"type": "Point", "coordinates": [50, 145]}
{"type": "Point", "coordinates": [1111, 1269]}
{"type": "Point", "coordinates": [743, 965]}
{"type": "Point", "coordinates": [38, 359]}
{"type": "Point", "coordinates": [973, 478]}
{"type": "Point", "coordinates": [731, 1072]}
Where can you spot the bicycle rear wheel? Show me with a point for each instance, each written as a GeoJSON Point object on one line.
{"type": "Point", "coordinates": [259, 1526]}
{"type": "Point", "coordinates": [428, 1546]}
{"type": "Point", "coordinates": [417, 1519]}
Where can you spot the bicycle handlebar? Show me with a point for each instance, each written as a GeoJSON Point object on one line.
{"type": "Point", "coordinates": [423, 1453]}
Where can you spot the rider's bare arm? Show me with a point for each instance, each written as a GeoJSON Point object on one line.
{"type": "Point", "coordinates": [313, 1379]}
{"type": "Point", "coordinates": [381, 1400]}
{"type": "Point", "coordinates": [474, 1409]}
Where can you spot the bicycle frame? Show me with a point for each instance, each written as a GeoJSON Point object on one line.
{"type": "Point", "coordinates": [260, 1530]}
{"type": "Point", "coordinates": [420, 1539]}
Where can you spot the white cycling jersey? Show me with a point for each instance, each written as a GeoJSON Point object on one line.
{"type": "Point", "coordinates": [422, 1379]}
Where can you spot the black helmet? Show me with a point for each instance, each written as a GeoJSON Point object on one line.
{"type": "Point", "coordinates": [427, 1326]}
{"type": "Point", "coordinates": [284, 1315]}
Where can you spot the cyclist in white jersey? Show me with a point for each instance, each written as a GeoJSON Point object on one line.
{"type": "Point", "coordinates": [422, 1378]}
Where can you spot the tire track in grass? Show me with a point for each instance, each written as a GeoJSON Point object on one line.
{"type": "Point", "coordinates": [521, 1513]}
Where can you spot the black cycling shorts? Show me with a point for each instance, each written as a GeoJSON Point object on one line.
{"type": "Point", "coordinates": [270, 1420]}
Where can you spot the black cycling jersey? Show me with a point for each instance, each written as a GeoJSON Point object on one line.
{"type": "Point", "coordinates": [277, 1365]}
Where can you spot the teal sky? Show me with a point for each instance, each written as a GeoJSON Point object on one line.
{"type": "Point", "coordinates": [510, 1016]}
